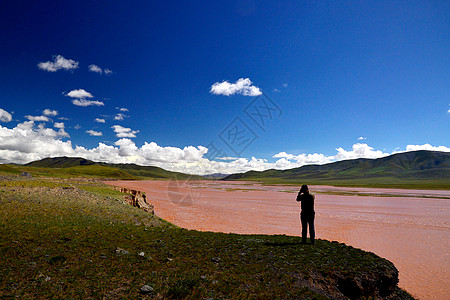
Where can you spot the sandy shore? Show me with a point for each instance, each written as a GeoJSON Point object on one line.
{"type": "Point", "coordinates": [408, 227]}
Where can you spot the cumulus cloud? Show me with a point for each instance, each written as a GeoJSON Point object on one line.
{"type": "Point", "coordinates": [84, 102]}
{"type": "Point", "coordinates": [123, 132]}
{"type": "Point", "coordinates": [5, 116]}
{"type": "Point", "coordinates": [27, 142]}
{"type": "Point", "coordinates": [80, 94]}
{"type": "Point", "coordinates": [95, 68]}
{"type": "Point", "coordinates": [426, 147]}
{"type": "Point", "coordinates": [98, 120]}
{"type": "Point", "coordinates": [49, 112]}
{"type": "Point", "coordinates": [58, 63]}
{"type": "Point", "coordinates": [94, 133]}
{"type": "Point", "coordinates": [243, 86]}
{"type": "Point", "coordinates": [59, 125]}
{"type": "Point", "coordinates": [359, 151]}
{"type": "Point", "coordinates": [361, 138]}
{"type": "Point", "coordinates": [122, 109]}
{"type": "Point", "coordinates": [38, 118]}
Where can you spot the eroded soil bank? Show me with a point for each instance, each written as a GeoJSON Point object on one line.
{"type": "Point", "coordinates": [408, 227]}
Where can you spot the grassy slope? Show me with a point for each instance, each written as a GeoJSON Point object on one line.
{"type": "Point", "coordinates": [59, 239]}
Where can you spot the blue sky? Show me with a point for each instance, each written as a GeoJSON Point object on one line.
{"type": "Point", "coordinates": [164, 84]}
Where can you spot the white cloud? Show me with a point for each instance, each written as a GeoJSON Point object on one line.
{"type": "Point", "coordinates": [426, 147]}
{"type": "Point", "coordinates": [359, 151]}
{"type": "Point", "coordinates": [362, 138]}
{"type": "Point", "coordinates": [80, 94]}
{"type": "Point", "coordinates": [5, 116]}
{"type": "Point", "coordinates": [94, 133]}
{"type": "Point", "coordinates": [49, 112]}
{"type": "Point", "coordinates": [123, 132]}
{"type": "Point", "coordinates": [98, 120]}
{"type": "Point", "coordinates": [38, 118]}
{"type": "Point", "coordinates": [243, 86]}
{"type": "Point", "coordinates": [59, 125]}
{"type": "Point", "coordinates": [119, 117]}
{"type": "Point", "coordinates": [285, 85]}
{"type": "Point", "coordinates": [84, 102]}
{"type": "Point", "coordinates": [95, 68]}
{"type": "Point", "coordinates": [58, 63]}
{"type": "Point", "coordinates": [302, 159]}
{"type": "Point", "coordinates": [27, 142]}
{"type": "Point", "coordinates": [122, 109]}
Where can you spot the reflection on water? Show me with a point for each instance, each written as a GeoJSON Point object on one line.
{"type": "Point", "coordinates": [408, 227]}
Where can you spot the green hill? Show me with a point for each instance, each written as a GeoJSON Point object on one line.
{"type": "Point", "coordinates": [429, 169]}
{"type": "Point", "coordinates": [60, 162]}
{"type": "Point", "coordinates": [81, 166]}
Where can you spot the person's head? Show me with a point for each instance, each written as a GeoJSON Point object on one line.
{"type": "Point", "coordinates": [304, 189]}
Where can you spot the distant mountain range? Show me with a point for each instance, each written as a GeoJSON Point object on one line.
{"type": "Point", "coordinates": [426, 167]}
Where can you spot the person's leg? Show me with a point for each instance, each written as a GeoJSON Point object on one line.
{"type": "Point", "coordinates": [304, 221]}
{"type": "Point", "coordinates": [312, 233]}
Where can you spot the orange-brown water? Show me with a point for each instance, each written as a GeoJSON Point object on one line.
{"type": "Point", "coordinates": [408, 227]}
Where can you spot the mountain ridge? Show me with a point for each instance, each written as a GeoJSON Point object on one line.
{"type": "Point", "coordinates": [406, 166]}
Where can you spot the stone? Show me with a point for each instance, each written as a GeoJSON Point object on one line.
{"type": "Point", "coordinates": [146, 289]}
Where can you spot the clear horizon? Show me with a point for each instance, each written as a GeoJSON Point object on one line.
{"type": "Point", "coordinates": [223, 87]}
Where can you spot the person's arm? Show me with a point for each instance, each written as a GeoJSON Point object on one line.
{"type": "Point", "coordinates": [298, 197]}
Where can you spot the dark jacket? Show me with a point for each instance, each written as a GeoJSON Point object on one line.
{"type": "Point", "coordinates": [307, 203]}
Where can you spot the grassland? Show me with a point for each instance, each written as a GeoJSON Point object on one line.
{"type": "Point", "coordinates": [75, 238]}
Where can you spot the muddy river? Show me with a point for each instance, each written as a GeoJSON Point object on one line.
{"type": "Point", "coordinates": [408, 227]}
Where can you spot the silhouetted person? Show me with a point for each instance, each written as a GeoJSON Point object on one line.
{"type": "Point", "coordinates": [307, 214]}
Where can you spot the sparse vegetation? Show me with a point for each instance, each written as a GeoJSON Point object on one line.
{"type": "Point", "coordinates": [76, 239]}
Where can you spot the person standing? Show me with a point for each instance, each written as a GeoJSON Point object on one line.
{"type": "Point", "coordinates": [307, 214]}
